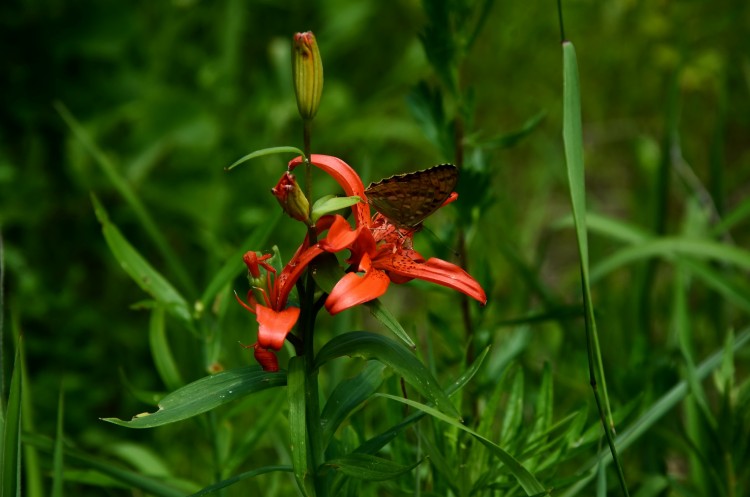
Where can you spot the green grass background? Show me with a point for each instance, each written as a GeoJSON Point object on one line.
{"type": "Point", "coordinates": [172, 92]}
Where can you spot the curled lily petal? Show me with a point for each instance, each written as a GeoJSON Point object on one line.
{"type": "Point", "coordinates": [353, 290]}
{"type": "Point", "coordinates": [274, 325]}
{"type": "Point", "coordinates": [291, 273]}
{"type": "Point", "coordinates": [345, 176]}
{"type": "Point", "coordinates": [340, 235]}
{"type": "Point", "coordinates": [434, 270]}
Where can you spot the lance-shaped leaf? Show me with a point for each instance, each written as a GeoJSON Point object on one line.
{"type": "Point", "coordinates": [371, 468]}
{"type": "Point", "coordinates": [206, 394]}
{"type": "Point", "coordinates": [297, 425]}
{"type": "Point", "coordinates": [348, 395]}
{"type": "Point", "coordinates": [395, 356]}
{"type": "Point", "coordinates": [148, 278]}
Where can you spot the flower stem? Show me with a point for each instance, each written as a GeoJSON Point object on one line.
{"type": "Point", "coordinates": [306, 130]}
{"type": "Point", "coordinates": [309, 313]}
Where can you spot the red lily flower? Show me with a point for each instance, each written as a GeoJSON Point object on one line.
{"type": "Point", "coordinates": [275, 320]}
{"type": "Point", "coordinates": [379, 249]}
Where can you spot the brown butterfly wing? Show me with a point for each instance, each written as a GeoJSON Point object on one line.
{"type": "Point", "coordinates": [407, 199]}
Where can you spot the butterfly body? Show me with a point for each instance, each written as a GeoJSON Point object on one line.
{"type": "Point", "coordinates": [408, 199]}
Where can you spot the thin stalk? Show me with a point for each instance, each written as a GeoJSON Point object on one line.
{"type": "Point", "coordinates": [309, 313]}
{"type": "Point", "coordinates": [218, 464]}
{"type": "Point", "coordinates": [574, 159]}
{"type": "Point", "coordinates": [306, 131]}
{"type": "Point", "coordinates": [2, 315]}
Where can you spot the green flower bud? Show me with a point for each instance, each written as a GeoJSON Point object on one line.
{"type": "Point", "coordinates": [307, 70]}
{"type": "Point", "coordinates": [291, 198]}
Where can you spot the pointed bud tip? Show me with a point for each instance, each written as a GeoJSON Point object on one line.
{"type": "Point", "coordinates": [307, 71]}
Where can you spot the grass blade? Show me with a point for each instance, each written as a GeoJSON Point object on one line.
{"type": "Point", "coordinates": [161, 352]}
{"type": "Point", "coordinates": [57, 454]}
{"type": "Point", "coordinates": [123, 187]}
{"type": "Point", "coordinates": [139, 269]}
{"type": "Point", "coordinates": [348, 395]}
{"type": "Point", "coordinates": [10, 456]}
{"type": "Point", "coordinates": [527, 481]}
{"type": "Point", "coordinates": [573, 141]}
{"type": "Point", "coordinates": [370, 468]}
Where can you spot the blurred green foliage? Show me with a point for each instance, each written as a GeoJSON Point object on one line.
{"type": "Point", "coordinates": [173, 92]}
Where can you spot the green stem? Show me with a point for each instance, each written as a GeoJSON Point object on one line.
{"type": "Point", "coordinates": [306, 131]}
{"type": "Point", "coordinates": [309, 313]}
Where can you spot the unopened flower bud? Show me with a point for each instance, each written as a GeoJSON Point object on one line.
{"type": "Point", "coordinates": [291, 198]}
{"type": "Point", "coordinates": [307, 71]}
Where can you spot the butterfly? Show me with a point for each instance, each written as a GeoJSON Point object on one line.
{"type": "Point", "coordinates": [408, 199]}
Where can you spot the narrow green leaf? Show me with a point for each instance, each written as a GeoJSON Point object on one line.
{"type": "Point", "coordinates": [661, 407]}
{"type": "Point", "coordinates": [298, 425]}
{"type": "Point", "coordinates": [348, 395]}
{"type": "Point", "coordinates": [128, 478]}
{"type": "Point", "coordinates": [145, 276]}
{"type": "Point", "coordinates": [447, 470]}
{"type": "Point", "coordinates": [527, 481]}
{"type": "Point", "coordinates": [57, 454]}
{"type": "Point", "coordinates": [669, 247]}
{"type": "Point", "coordinates": [141, 458]}
{"type": "Point", "coordinates": [736, 216]}
{"type": "Point", "coordinates": [246, 444]}
{"type": "Point", "coordinates": [395, 356]}
{"type": "Point", "coordinates": [614, 229]}
{"type": "Point", "coordinates": [206, 394]}
{"type": "Point", "coordinates": [544, 403]}
{"type": "Point", "coordinates": [264, 152]}
{"type": "Point", "coordinates": [490, 413]}
{"type": "Point", "coordinates": [162, 352]}
{"type": "Point", "coordinates": [380, 312]}
{"type": "Point", "coordinates": [377, 442]}
{"type": "Point", "coordinates": [10, 455]}
{"type": "Point", "coordinates": [720, 281]}
{"type": "Point", "coordinates": [127, 192]}
{"type": "Point", "coordinates": [510, 139]}
{"type": "Point", "coordinates": [242, 476]}
{"type": "Point", "coordinates": [574, 160]}
{"type": "Point", "coordinates": [573, 141]}
{"type": "Point", "coordinates": [370, 468]}
{"type": "Point", "coordinates": [513, 416]}
{"type": "Point", "coordinates": [331, 203]}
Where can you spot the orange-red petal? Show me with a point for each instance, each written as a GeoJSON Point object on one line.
{"type": "Point", "coordinates": [345, 176]}
{"type": "Point", "coordinates": [274, 325]}
{"type": "Point", "coordinates": [353, 290]}
{"type": "Point", "coordinates": [436, 271]}
{"type": "Point", "coordinates": [340, 235]}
